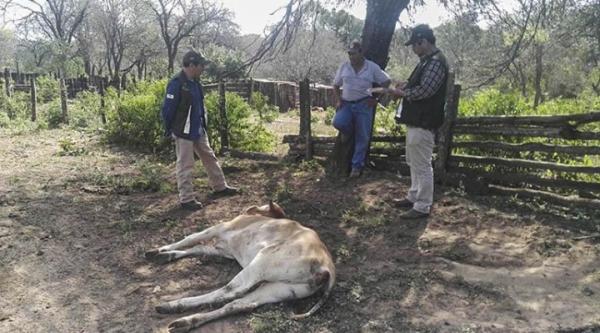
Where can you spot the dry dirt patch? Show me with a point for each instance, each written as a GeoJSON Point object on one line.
{"type": "Point", "coordinates": [73, 229]}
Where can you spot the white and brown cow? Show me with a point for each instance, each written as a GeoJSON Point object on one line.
{"type": "Point", "coordinates": [281, 260]}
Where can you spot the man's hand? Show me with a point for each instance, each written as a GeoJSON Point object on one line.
{"type": "Point", "coordinates": [401, 85]}
{"type": "Point", "coordinates": [397, 92]}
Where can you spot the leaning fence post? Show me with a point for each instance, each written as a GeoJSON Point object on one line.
{"type": "Point", "coordinates": [63, 100]}
{"type": "Point", "coordinates": [102, 101]}
{"type": "Point", "coordinates": [224, 128]}
{"type": "Point", "coordinates": [7, 82]}
{"type": "Point", "coordinates": [305, 133]}
{"type": "Point", "coordinates": [445, 132]}
{"type": "Point", "coordinates": [33, 99]}
{"type": "Point", "coordinates": [250, 90]}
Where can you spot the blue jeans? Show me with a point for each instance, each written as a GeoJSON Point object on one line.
{"type": "Point", "coordinates": [355, 119]}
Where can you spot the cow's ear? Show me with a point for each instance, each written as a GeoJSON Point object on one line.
{"type": "Point", "coordinates": [251, 210]}
{"type": "Point", "coordinates": [275, 210]}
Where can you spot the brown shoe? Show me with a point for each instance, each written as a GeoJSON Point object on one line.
{"type": "Point", "coordinates": [402, 203]}
{"type": "Point", "coordinates": [227, 191]}
{"type": "Point", "coordinates": [192, 205]}
{"type": "Point", "coordinates": [413, 215]}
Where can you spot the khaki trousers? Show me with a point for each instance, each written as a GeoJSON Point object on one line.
{"type": "Point", "coordinates": [419, 148]}
{"type": "Point", "coordinates": [185, 166]}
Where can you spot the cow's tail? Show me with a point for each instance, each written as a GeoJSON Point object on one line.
{"type": "Point", "coordinates": [327, 276]}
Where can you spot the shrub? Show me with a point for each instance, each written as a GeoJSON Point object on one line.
{"type": "Point", "coordinates": [18, 106]}
{"type": "Point", "coordinates": [85, 110]}
{"type": "Point", "coordinates": [385, 124]}
{"type": "Point", "coordinates": [53, 115]}
{"type": "Point", "coordinates": [266, 111]}
{"type": "Point", "coordinates": [135, 120]}
{"type": "Point", "coordinates": [243, 133]}
{"type": "Point", "coordinates": [492, 102]}
{"type": "Point", "coordinates": [47, 88]}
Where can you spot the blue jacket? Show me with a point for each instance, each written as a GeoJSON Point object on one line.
{"type": "Point", "coordinates": [183, 111]}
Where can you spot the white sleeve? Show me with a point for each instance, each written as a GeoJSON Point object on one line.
{"type": "Point", "coordinates": [380, 76]}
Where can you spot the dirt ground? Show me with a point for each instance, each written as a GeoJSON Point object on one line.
{"type": "Point", "coordinates": [76, 216]}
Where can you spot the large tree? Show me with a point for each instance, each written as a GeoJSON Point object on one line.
{"type": "Point", "coordinates": [179, 19]}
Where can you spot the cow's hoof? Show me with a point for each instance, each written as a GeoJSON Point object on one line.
{"type": "Point", "coordinates": [152, 253]}
{"type": "Point", "coordinates": [180, 326]}
{"type": "Point", "coordinates": [160, 257]}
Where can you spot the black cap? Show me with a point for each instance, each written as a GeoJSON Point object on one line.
{"type": "Point", "coordinates": [194, 57]}
{"type": "Point", "coordinates": [421, 31]}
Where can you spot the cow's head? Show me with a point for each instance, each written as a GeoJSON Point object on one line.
{"type": "Point", "coordinates": [271, 210]}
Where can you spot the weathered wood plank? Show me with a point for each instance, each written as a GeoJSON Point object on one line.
{"type": "Point", "coordinates": [329, 139]}
{"type": "Point", "coordinates": [552, 132]}
{"type": "Point", "coordinates": [546, 196]}
{"type": "Point", "coordinates": [520, 178]}
{"type": "Point", "coordinates": [253, 155]}
{"type": "Point", "coordinates": [531, 120]}
{"type": "Point", "coordinates": [520, 163]}
{"type": "Point", "coordinates": [540, 147]}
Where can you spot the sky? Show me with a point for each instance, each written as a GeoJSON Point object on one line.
{"type": "Point", "coordinates": [253, 16]}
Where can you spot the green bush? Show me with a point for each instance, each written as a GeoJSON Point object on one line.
{"type": "Point", "coordinates": [492, 102]}
{"type": "Point", "coordinates": [244, 134]}
{"type": "Point", "coordinates": [267, 112]}
{"type": "Point", "coordinates": [18, 106]}
{"type": "Point", "coordinates": [135, 120]}
{"type": "Point", "coordinates": [53, 115]}
{"type": "Point", "coordinates": [85, 110]}
{"type": "Point", "coordinates": [47, 89]}
{"type": "Point", "coordinates": [385, 124]}
{"type": "Point", "coordinates": [329, 113]}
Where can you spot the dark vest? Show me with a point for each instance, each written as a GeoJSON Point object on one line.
{"type": "Point", "coordinates": [427, 113]}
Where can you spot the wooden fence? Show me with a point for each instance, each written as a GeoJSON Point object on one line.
{"type": "Point", "coordinates": [283, 94]}
{"type": "Point", "coordinates": [511, 155]}
{"type": "Point", "coordinates": [479, 153]}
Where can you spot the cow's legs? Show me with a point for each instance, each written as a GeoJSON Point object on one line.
{"type": "Point", "coordinates": [164, 257]}
{"type": "Point", "coordinates": [193, 239]}
{"type": "Point", "coordinates": [267, 293]}
{"type": "Point", "coordinates": [169, 252]}
{"type": "Point", "coordinates": [245, 280]}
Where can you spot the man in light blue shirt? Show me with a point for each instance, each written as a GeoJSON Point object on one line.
{"type": "Point", "coordinates": [355, 104]}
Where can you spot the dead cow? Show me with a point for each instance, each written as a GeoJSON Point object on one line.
{"type": "Point", "coordinates": [281, 260]}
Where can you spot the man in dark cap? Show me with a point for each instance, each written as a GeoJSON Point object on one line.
{"type": "Point", "coordinates": [422, 111]}
{"type": "Point", "coordinates": [184, 118]}
{"type": "Point", "coordinates": [355, 104]}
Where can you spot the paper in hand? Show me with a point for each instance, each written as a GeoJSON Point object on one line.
{"type": "Point", "coordinates": [377, 90]}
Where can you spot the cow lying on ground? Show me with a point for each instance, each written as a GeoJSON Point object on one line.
{"type": "Point", "coordinates": [281, 260]}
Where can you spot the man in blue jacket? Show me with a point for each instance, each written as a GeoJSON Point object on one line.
{"type": "Point", "coordinates": [184, 118]}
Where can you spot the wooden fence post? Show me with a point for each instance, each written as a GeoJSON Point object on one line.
{"type": "Point", "coordinates": [63, 101]}
{"type": "Point", "coordinates": [445, 131]}
{"type": "Point", "coordinates": [102, 102]}
{"type": "Point", "coordinates": [250, 90]}
{"type": "Point", "coordinates": [224, 128]}
{"type": "Point", "coordinates": [305, 131]}
{"type": "Point", "coordinates": [7, 82]}
{"type": "Point", "coordinates": [33, 99]}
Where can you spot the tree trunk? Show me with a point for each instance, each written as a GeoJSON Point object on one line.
{"type": "Point", "coordinates": [379, 27]}
{"type": "Point", "coordinates": [539, 51]}
{"type": "Point", "coordinates": [380, 24]}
